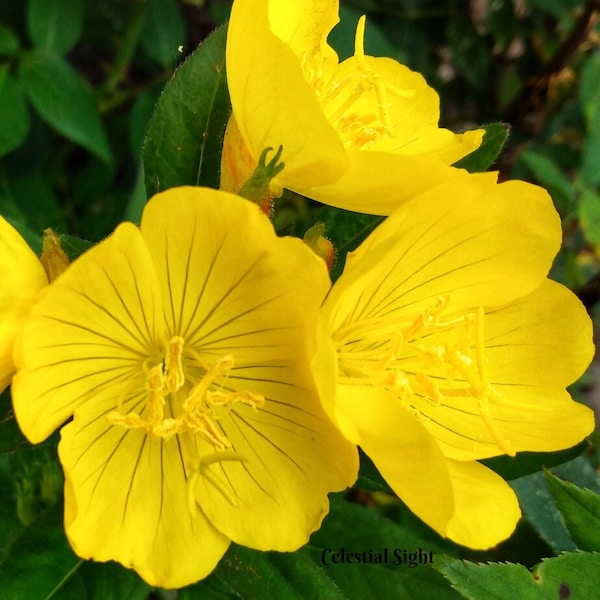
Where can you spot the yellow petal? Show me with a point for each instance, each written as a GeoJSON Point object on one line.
{"type": "Point", "coordinates": [237, 164]}
{"type": "Point", "coordinates": [22, 279]}
{"type": "Point", "coordinates": [486, 508]}
{"type": "Point", "coordinates": [272, 102]}
{"type": "Point", "coordinates": [126, 499]}
{"type": "Point", "coordinates": [543, 339]}
{"type": "Point", "coordinates": [484, 245]}
{"type": "Point", "coordinates": [534, 347]}
{"type": "Point", "coordinates": [89, 333]}
{"type": "Point", "coordinates": [463, 501]}
{"type": "Point", "coordinates": [223, 272]}
{"type": "Point", "coordinates": [233, 288]}
{"type": "Point", "coordinates": [397, 113]}
{"type": "Point", "coordinates": [403, 451]}
{"type": "Point", "coordinates": [288, 456]}
{"type": "Point", "coordinates": [377, 182]}
{"type": "Point", "coordinates": [303, 24]}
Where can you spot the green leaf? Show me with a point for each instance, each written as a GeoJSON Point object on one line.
{"type": "Point", "coordinates": [137, 199]}
{"type": "Point", "coordinates": [408, 558]}
{"type": "Point", "coordinates": [111, 581]}
{"type": "Point", "coordinates": [74, 246]}
{"type": "Point", "coordinates": [293, 576]}
{"type": "Point", "coordinates": [139, 117]}
{"type": "Point", "coordinates": [38, 203]}
{"type": "Point", "coordinates": [589, 88]}
{"type": "Point", "coordinates": [369, 478]}
{"type": "Point", "coordinates": [572, 575]}
{"type": "Point", "coordinates": [387, 569]}
{"type": "Point", "coordinates": [580, 509]}
{"type": "Point", "coordinates": [590, 166]}
{"type": "Point", "coordinates": [40, 564]}
{"type": "Point", "coordinates": [539, 508]}
{"type": "Point", "coordinates": [524, 463]}
{"type": "Point", "coordinates": [549, 174]}
{"type": "Point", "coordinates": [11, 437]}
{"type": "Point", "coordinates": [347, 230]}
{"type": "Point", "coordinates": [589, 215]}
{"type": "Point", "coordinates": [163, 32]}
{"type": "Point", "coordinates": [494, 139]}
{"type": "Point", "coordinates": [14, 114]}
{"type": "Point", "coordinates": [375, 42]}
{"type": "Point", "coordinates": [9, 524]}
{"type": "Point", "coordinates": [61, 98]}
{"type": "Point", "coordinates": [55, 26]}
{"type": "Point", "coordinates": [9, 42]}
{"type": "Point", "coordinates": [185, 136]}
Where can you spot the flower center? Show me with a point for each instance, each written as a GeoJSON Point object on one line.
{"type": "Point", "coordinates": [184, 394]}
{"type": "Point", "coordinates": [426, 361]}
{"type": "Point", "coordinates": [357, 102]}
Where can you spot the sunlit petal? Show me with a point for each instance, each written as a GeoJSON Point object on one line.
{"type": "Point", "coordinates": [127, 500]}
{"type": "Point", "coordinates": [405, 454]}
{"type": "Point", "coordinates": [22, 277]}
{"type": "Point", "coordinates": [248, 298]}
{"type": "Point", "coordinates": [377, 182]}
{"type": "Point", "coordinates": [477, 249]}
{"type": "Point", "coordinates": [89, 334]}
{"type": "Point", "coordinates": [537, 328]}
{"type": "Point", "coordinates": [486, 510]}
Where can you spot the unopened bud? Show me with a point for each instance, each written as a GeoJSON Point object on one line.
{"type": "Point", "coordinates": [320, 244]}
{"type": "Point", "coordinates": [53, 258]}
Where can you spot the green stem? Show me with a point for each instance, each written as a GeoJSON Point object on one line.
{"type": "Point", "coordinates": [125, 52]}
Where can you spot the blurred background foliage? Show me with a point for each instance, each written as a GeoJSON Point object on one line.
{"type": "Point", "coordinates": [79, 80]}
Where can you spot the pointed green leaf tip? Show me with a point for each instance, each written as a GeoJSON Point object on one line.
{"type": "Point", "coordinates": [258, 186]}
{"type": "Point", "coordinates": [571, 575]}
{"type": "Point", "coordinates": [483, 157]}
{"type": "Point", "coordinates": [580, 509]}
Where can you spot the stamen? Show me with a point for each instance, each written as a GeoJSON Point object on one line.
{"type": "Point", "coordinates": [222, 400]}
{"type": "Point", "coordinates": [197, 394]}
{"type": "Point", "coordinates": [174, 375]}
{"type": "Point", "coordinates": [370, 352]}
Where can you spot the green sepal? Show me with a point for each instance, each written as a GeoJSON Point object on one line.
{"type": "Point", "coordinates": [494, 139]}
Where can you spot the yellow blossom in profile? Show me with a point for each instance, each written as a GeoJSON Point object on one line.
{"type": "Point", "coordinates": [448, 345]}
{"type": "Point", "coordinates": [361, 134]}
{"type": "Point", "coordinates": [181, 349]}
{"type": "Point", "coordinates": [22, 277]}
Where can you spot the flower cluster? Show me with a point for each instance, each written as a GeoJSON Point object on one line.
{"type": "Point", "coordinates": [213, 386]}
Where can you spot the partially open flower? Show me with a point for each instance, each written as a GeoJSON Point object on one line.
{"type": "Point", "coordinates": [448, 345]}
{"type": "Point", "coordinates": [361, 134]}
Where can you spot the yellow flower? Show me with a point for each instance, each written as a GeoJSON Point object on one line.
{"type": "Point", "coordinates": [182, 350]}
{"type": "Point", "coordinates": [361, 134]}
{"type": "Point", "coordinates": [449, 345]}
{"type": "Point", "coordinates": [22, 277]}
